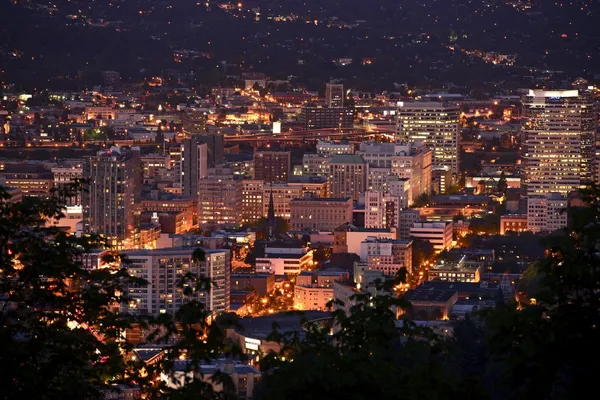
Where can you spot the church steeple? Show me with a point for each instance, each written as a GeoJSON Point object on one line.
{"type": "Point", "coordinates": [271, 215]}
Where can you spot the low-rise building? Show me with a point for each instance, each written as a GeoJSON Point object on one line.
{"type": "Point", "coordinates": [285, 260]}
{"type": "Point", "coordinates": [317, 213]}
{"type": "Point", "coordinates": [430, 304]}
{"type": "Point", "coordinates": [261, 283]}
{"type": "Point", "coordinates": [546, 213]}
{"type": "Point", "coordinates": [439, 234]}
{"type": "Point", "coordinates": [347, 238]}
{"type": "Point", "coordinates": [387, 255]}
{"type": "Point", "coordinates": [455, 271]}
{"type": "Point", "coordinates": [513, 223]}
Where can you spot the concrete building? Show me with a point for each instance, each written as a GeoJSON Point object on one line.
{"type": "Point", "coordinates": [387, 255]}
{"type": "Point", "coordinates": [244, 378]}
{"type": "Point", "coordinates": [220, 199]}
{"type": "Point", "coordinates": [382, 210]}
{"type": "Point", "coordinates": [334, 95]}
{"type": "Point", "coordinates": [154, 165]}
{"type": "Point", "coordinates": [403, 161]}
{"type": "Point", "coordinates": [194, 165]}
{"type": "Point", "coordinates": [347, 238]}
{"type": "Point", "coordinates": [439, 234]}
{"type": "Point", "coordinates": [558, 140]}
{"type": "Point", "coordinates": [262, 284]}
{"type": "Point", "coordinates": [285, 260]}
{"type": "Point", "coordinates": [513, 223]}
{"type": "Point", "coordinates": [546, 213]}
{"type": "Point", "coordinates": [407, 219]}
{"type": "Point", "coordinates": [430, 304]}
{"type": "Point", "coordinates": [434, 124]}
{"type": "Point", "coordinates": [283, 194]}
{"type": "Point", "coordinates": [314, 290]}
{"type": "Point", "coordinates": [164, 268]}
{"type": "Point", "coordinates": [110, 195]}
{"type": "Point", "coordinates": [185, 206]}
{"type": "Point", "coordinates": [315, 164]}
{"type": "Point", "coordinates": [272, 166]}
{"type": "Point", "coordinates": [325, 118]}
{"type": "Point", "coordinates": [318, 185]}
{"type": "Point", "coordinates": [328, 148]}
{"type": "Point", "coordinates": [321, 214]}
{"type": "Point", "coordinates": [34, 180]}
{"type": "Point", "coordinates": [252, 200]}
{"type": "Point", "coordinates": [68, 174]}
{"type": "Point", "coordinates": [348, 176]}
{"type": "Point", "coordinates": [460, 271]}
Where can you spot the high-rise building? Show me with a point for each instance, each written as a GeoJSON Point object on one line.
{"type": "Point", "coordinates": [164, 269]}
{"type": "Point", "coordinates": [323, 117]}
{"type": "Point", "coordinates": [382, 210]}
{"type": "Point", "coordinates": [252, 200]}
{"type": "Point", "coordinates": [315, 164]}
{"type": "Point", "coordinates": [403, 161]}
{"type": "Point", "coordinates": [435, 125]}
{"type": "Point", "coordinates": [220, 199]}
{"type": "Point", "coordinates": [348, 176]}
{"type": "Point", "coordinates": [407, 219]}
{"type": "Point", "coordinates": [215, 146]}
{"type": "Point", "coordinates": [272, 166]}
{"type": "Point", "coordinates": [113, 186]}
{"type": "Point", "coordinates": [559, 141]}
{"type": "Point", "coordinates": [194, 165]}
{"type": "Point", "coordinates": [334, 95]}
{"type": "Point", "coordinates": [69, 174]}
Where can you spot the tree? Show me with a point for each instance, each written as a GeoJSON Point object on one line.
{"type": "Point", "coordinates": [60, 336]}
{"type": "Point", "coordinates": [422, 250]}
{"type": "Point", "coordinates": [502, 184]}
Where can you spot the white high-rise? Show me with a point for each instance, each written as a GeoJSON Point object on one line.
{"type": "Point", "coordinates": [434, 124]}
{"type": "Point", "coordinates": [558, 148]}
{"type": "Point", "coordinates": [559, 140]}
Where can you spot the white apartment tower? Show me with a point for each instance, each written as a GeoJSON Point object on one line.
{"type": "Point", "coordinates": [434, 124]}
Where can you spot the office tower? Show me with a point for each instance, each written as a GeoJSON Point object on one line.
{"type": "Point", "coordinates": [252, 200]}
{"type": "Point", "coordinates": [215, 147]}
{"type": "Point", "coordinates": [220, 199]}
{"type": "Point", "coordinates": [272, 166]}
{"type": "Point", "coordinates": [559, 141]}
{"type": "Point", "coordinates": [382, 210]}
{"type": "Point", "coordinates": [334, 95]}
{"type": "Point", "coordinates": [439, 234]}
{"type": "Point", "coordinates": [315, 164]}
{"type": "Point", "coordinates": [323, 117]}
{"type": "Point", "coordinates": [435, 125]}
{"type": "Point", "coordinates": [403, 160]}
{"type": "Point", "coordinates": [163, 269]}
{"type": "Point", "coordinates": [348, 176]}
{"type": "Point", "coordinates": [113, 185]}
{"type": "Point", "coordinates": [194, 165]}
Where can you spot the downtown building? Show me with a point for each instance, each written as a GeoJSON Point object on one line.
{"type": "Point", "coordinates": [109, 200]}
{"type": "Point", "coordinates": [559, 141]}
{"type": "Point", "coordinates": [334, 95]}
{"type": "Point", "coordinates": [194, 165]}
{"type": "Point", "coordinates": [348, 176]}
{"type": "Point", "coordinates": [327, 118]}
{"type": "Point", "coordinates": [319, 213]}
{"type": "Point", "coordinates": [220, 199]}
{"type": "Point", "coordinates": [164, 269]}
{"type": "Point", "coordinates": [387, 255]}
{"type": "Point", "coordinates": [272, 166]}
{"type": "Point", "coordinates": [435, 125]}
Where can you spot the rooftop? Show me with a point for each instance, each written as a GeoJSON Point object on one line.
{"type": "Point", "coordinates": [261, 327]}
{"type": "Point", "coordinates": [347, 159]}
{"type": "Point", "coordinates": [429, 295]}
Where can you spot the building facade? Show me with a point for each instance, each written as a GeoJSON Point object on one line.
{"type": "Point", "coordinates": [439, 234]}
{"type": "Point", "coordinates": [387, 255]}
{"type": "Point", "coordinates": [347, 176]}
{"type": "Point", "coordinates": [194, 165]}
{"type": "Point", "coordinates": [320, 214]}
{"type": "Point", "coordinates": [252, 200]}
{"type": "Point", "coordinates": [434, 124]}
{"type": "Point", "coordinates": [220, 199]}
{"type": "Point", "coordinates": [272, 166]}
{"type": "Point", "coordinates": [112, 190]}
